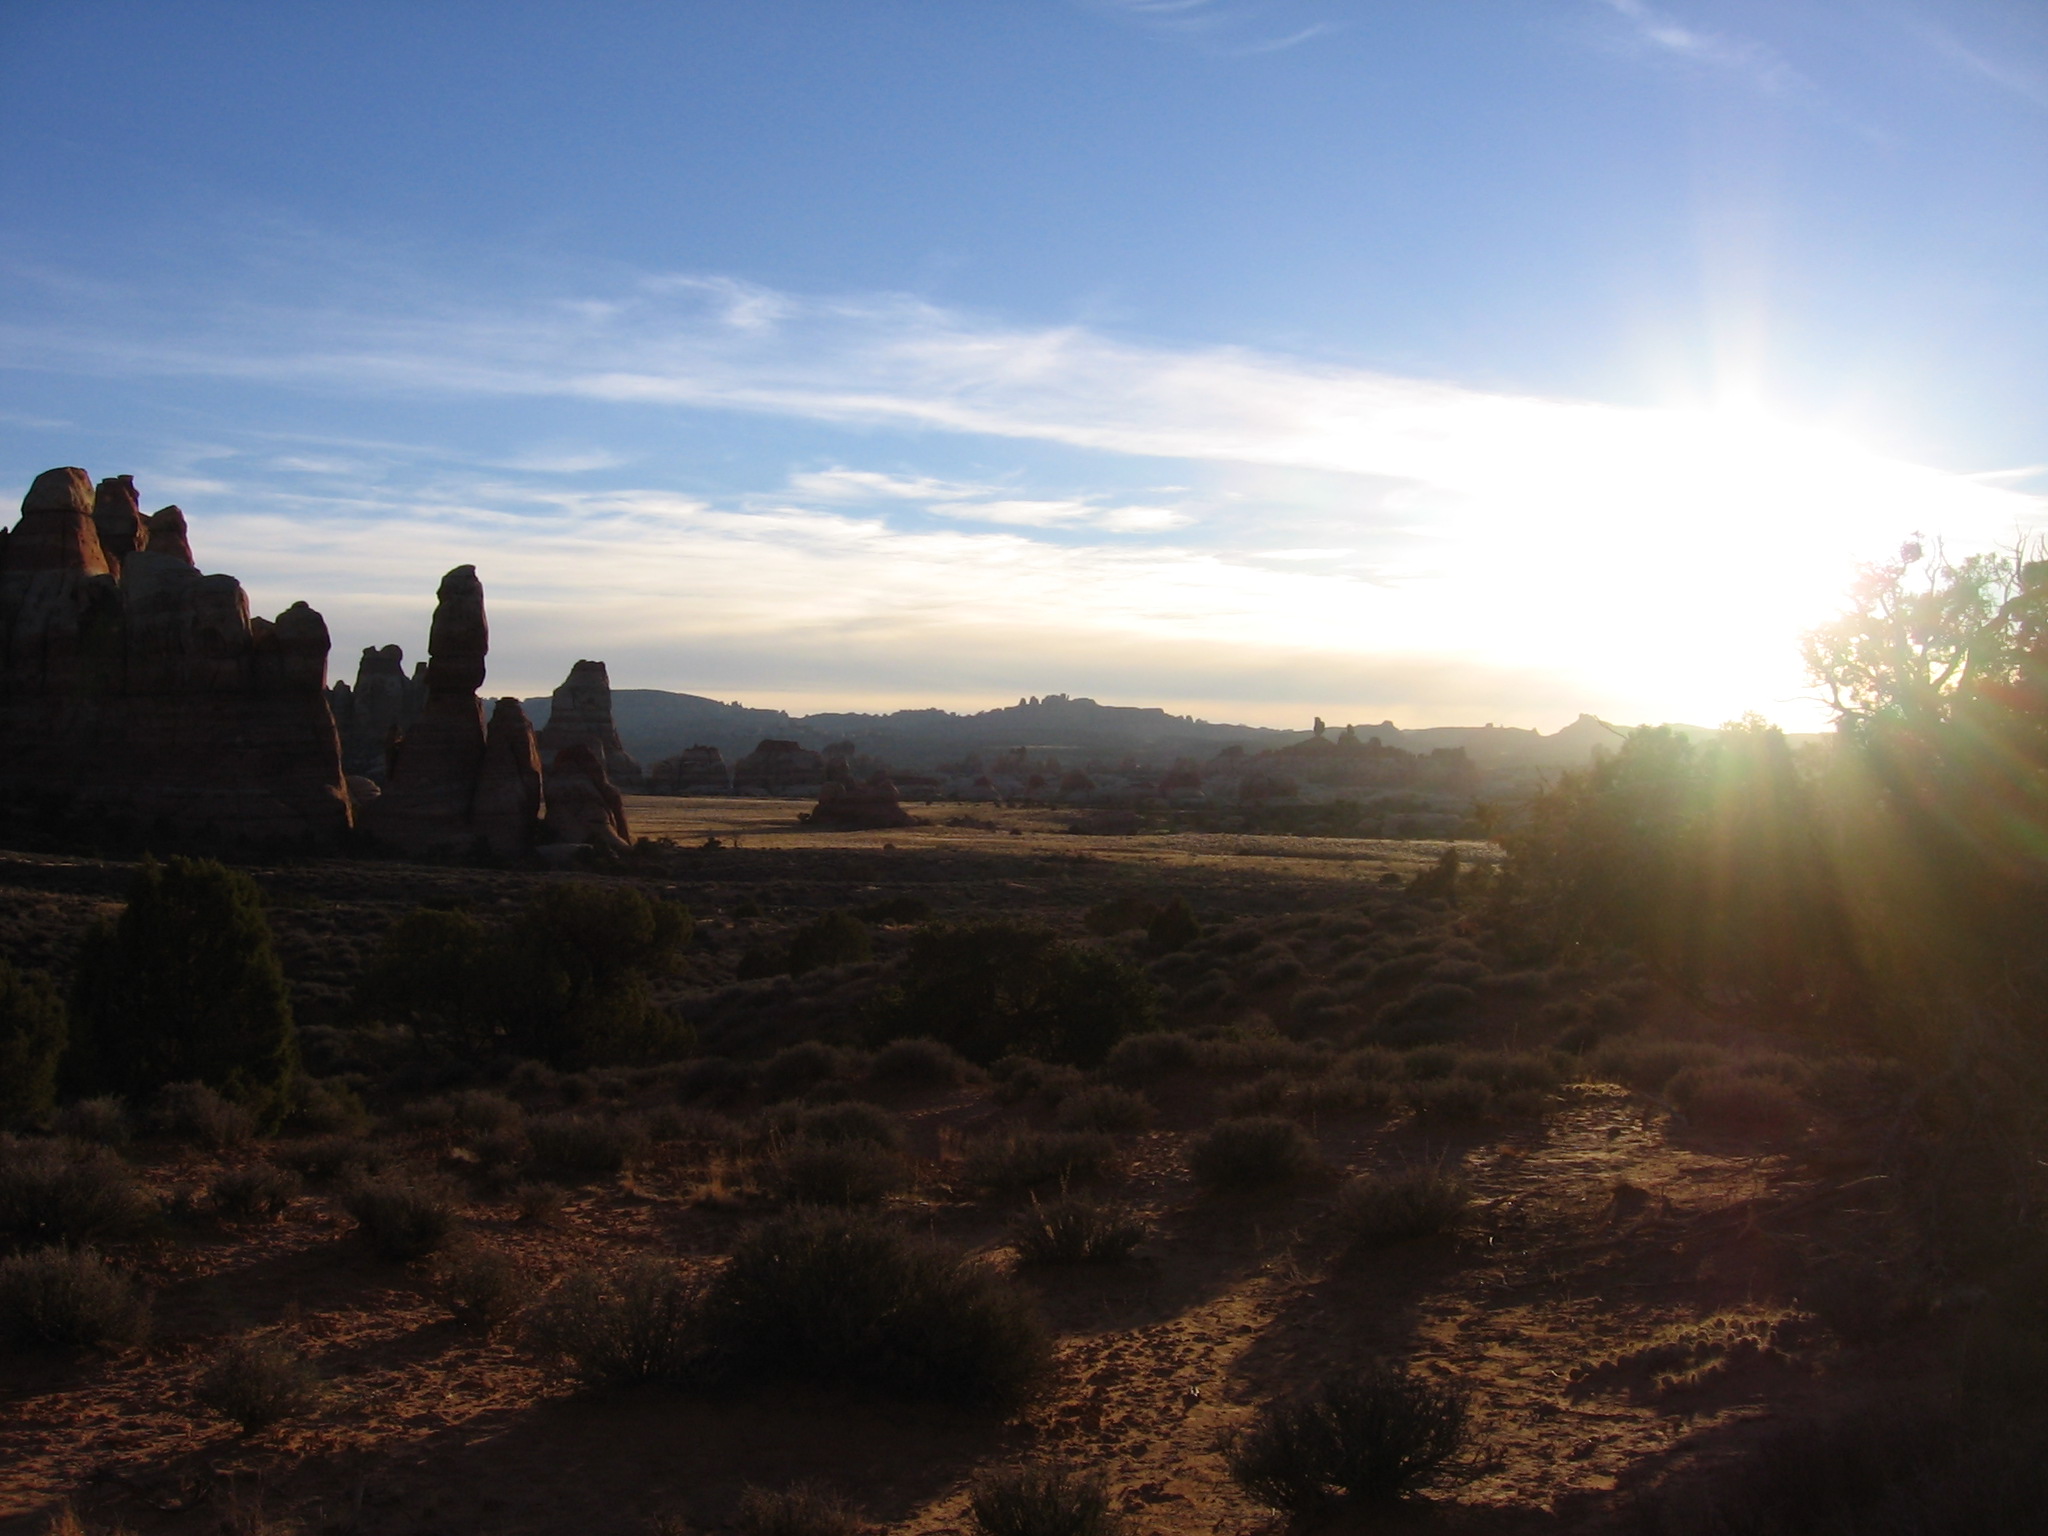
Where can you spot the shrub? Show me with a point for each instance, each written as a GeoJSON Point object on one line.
{"type": "Point", "coordinates": [1120, 914]}
{"type": "Point", "coordinates": [1070, 1231]}
{"type": "Point", "coordinates": [831, 938]}
{"type": "Point", "coordinates": [801, 1510]}
{"type": "Point", "coordinates": [196, 1113]}
{"type": "Point", "coordinates": [327, 1108]}
{"type": "Point", "coordinates": [61, 1299]}
{"type": "Point", "coordinates": [1021, 1077]}
{"type": "Point", "coordinates": [629, 1327]}
{"type": "Point", "coordinates": [1256, 1152]}
{"type": "Point", "coordinates": [261, 1189]}
{"type": "Point", "coordinates": [919, 1064]}
{"type": "Point", "coordinates": [1267, 1094]}
{"type": "Point", "coordinates": [1364, 1436]}
{"type": "Point", "coordinates": [992, 989]}
{"type": "Point", "coordinates": [1104, 1108]}
{"type": "Point", "coordinates": [1276, 972]}
{"type": "Point", "coordinates": [1428, 1004]}
{"type": "Point", "coordinates": [102, 1120]}
{"type": "Point", "coordinates": [403, 1221]}
{"type": "Point", "coordinates": [578, 1143]}
{"type": "Point", "coordinates": [33, 1032]}
{"type": "Point", "coordinates": [895, 909]}
{"type": "Point", "coordinates": [845, 1173]}
{"type": "Point", "coordinates": [712, 1078]}
{"type": "Point", "coordinates": [1043, 1501]}
{"type": "Point", "coordinates": [1342, 1096]}
{"type": "Point", "coordinates": [184, 986]}
{"type": "Point", "coordinates": [540, 1205]}
{"type": "Point", "coordinates": [1172, 927]}
{"type": "Point", "coordinates": [1426, 1062]}
{"type": "Point", "coordinates": [1728, 1097]}
{"type": "Point", "coordinates": [1139, 1059]}
{"type": "Point", "coordinates": [837, 1299]}
{"type": "Point", "coordinates": [1395, 1207]}
{"type": "Point", "coordinates": [1453, 1100]}
{"type": "Point", "coordinates": [258, 1381]}
{"type": "Point", "coordinates": [333, 1157]}
{"type": "Point", "coordinates": [840, 1125]}
{"type": "Point", "coordinates": [1510, 1071]}
{"type": "Point", "coordinates": [1375, 1063]}
{"type": "Point", "coordinates": [1029, 1159]}
{"type": "Point", "coordinates": [804, 1065]}
{"type": "Point", "coordinates": [480, 1111]}
{"type": "Point", "coordinates": [1650, 1064]}
{"type": "Point", "coordinates": [51, 1193]}
{"type": "Point", "coordinates": [484, 1288]}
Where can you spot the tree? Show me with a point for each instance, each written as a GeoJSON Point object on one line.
{"type": "Point", "coordinates": [33, 1028]}
{"type": "Point", "coordinates": [1709, 862]}
{"type": "Point", "coordinates": [431, 971]}
{"type": "Point", "coordinates": [184, 986]}
{"type": "Point", "coordinates": [1924, 637]}
{"type": "Point", "coordinates": [571, 973]}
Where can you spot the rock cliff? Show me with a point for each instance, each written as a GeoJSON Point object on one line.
{"type": "Point", "coordinates": [779, 768]}
{"type": "Point", "coordinates": [697, 771]}
{"type": "Point", "coordinates": [139, 696]}
{"type": "Point", "coordinates": [580, 715]}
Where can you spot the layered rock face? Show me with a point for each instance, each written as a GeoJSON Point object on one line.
{"type": "Point", "coordinates": [454, 783]}
{"type": "Point", "coordinates": [138, 693]}
{"type": "Point", "coordinates": [695, 771]}
{"type": "Point", "coordinates": [451, 782]}
{"type": "Point", "coordinates": [580, 715]}
{"type": "Point", "coordinates": [583, 806]}
{"type": "Point", "coordinates": [779, 768]}
{"type": "Point", "coordinates": [380, 707]}
{"type": "Point", "coordinates": [842, 802]}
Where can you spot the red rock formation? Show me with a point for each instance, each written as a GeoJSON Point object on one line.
{"type": "Point", "coordinates": [117, 518]}
{"type": "Point", "coordinates": [697, 771]}
{"type": "Point", "coordinates": [136, 691]}
{"type": "Point", "coordinates": [583, 807]}
{"type": "Point", "coordinates": [433, 775]}
{"type": "Point", "coordinates": [383, 700]}
{"type": "Point", "coordinates": [167, 534]}
{"type": "Point", "coordinates": [506, 810]}
{"type": "Point", "coordinates": [845, 804]}
{"type": "Point", "coordinates": [778, 768]}
{"type": "Point", "coordinates": [580, 715]}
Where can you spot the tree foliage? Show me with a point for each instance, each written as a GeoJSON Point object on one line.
{"type": "Point", "coordinates": [184, 986]}
{"type": "Point", "coordinates": [996, 989]}
{"type": "Point", "coordinates": [33, 1029]}
{"type": "Point", "coordinates": [567, 981]}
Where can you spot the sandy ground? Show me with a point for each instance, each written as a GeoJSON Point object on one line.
{"type": "Point", "coordinates": [970, 828]}
{"type": "Point", "coordinates": [1596, 1240]}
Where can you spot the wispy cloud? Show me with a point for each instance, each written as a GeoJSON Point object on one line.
{"type": "Point", "coordinates": [1241, 28]}
{"type": "Point", "coordinates": [1756, 62]}
{"type": "Point", "coordinates": [983, 503]}
{"type": "Point", "coordinates": [1628, 554]}
{"type": "Point", "coordinates": [2026, 80]}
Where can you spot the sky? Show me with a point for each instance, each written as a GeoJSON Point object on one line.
{"type": "Point", "coordinates": [1443, 361]}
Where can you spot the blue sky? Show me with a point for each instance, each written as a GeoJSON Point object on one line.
{"type": "Point", "coordinates": [1445, 361]}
